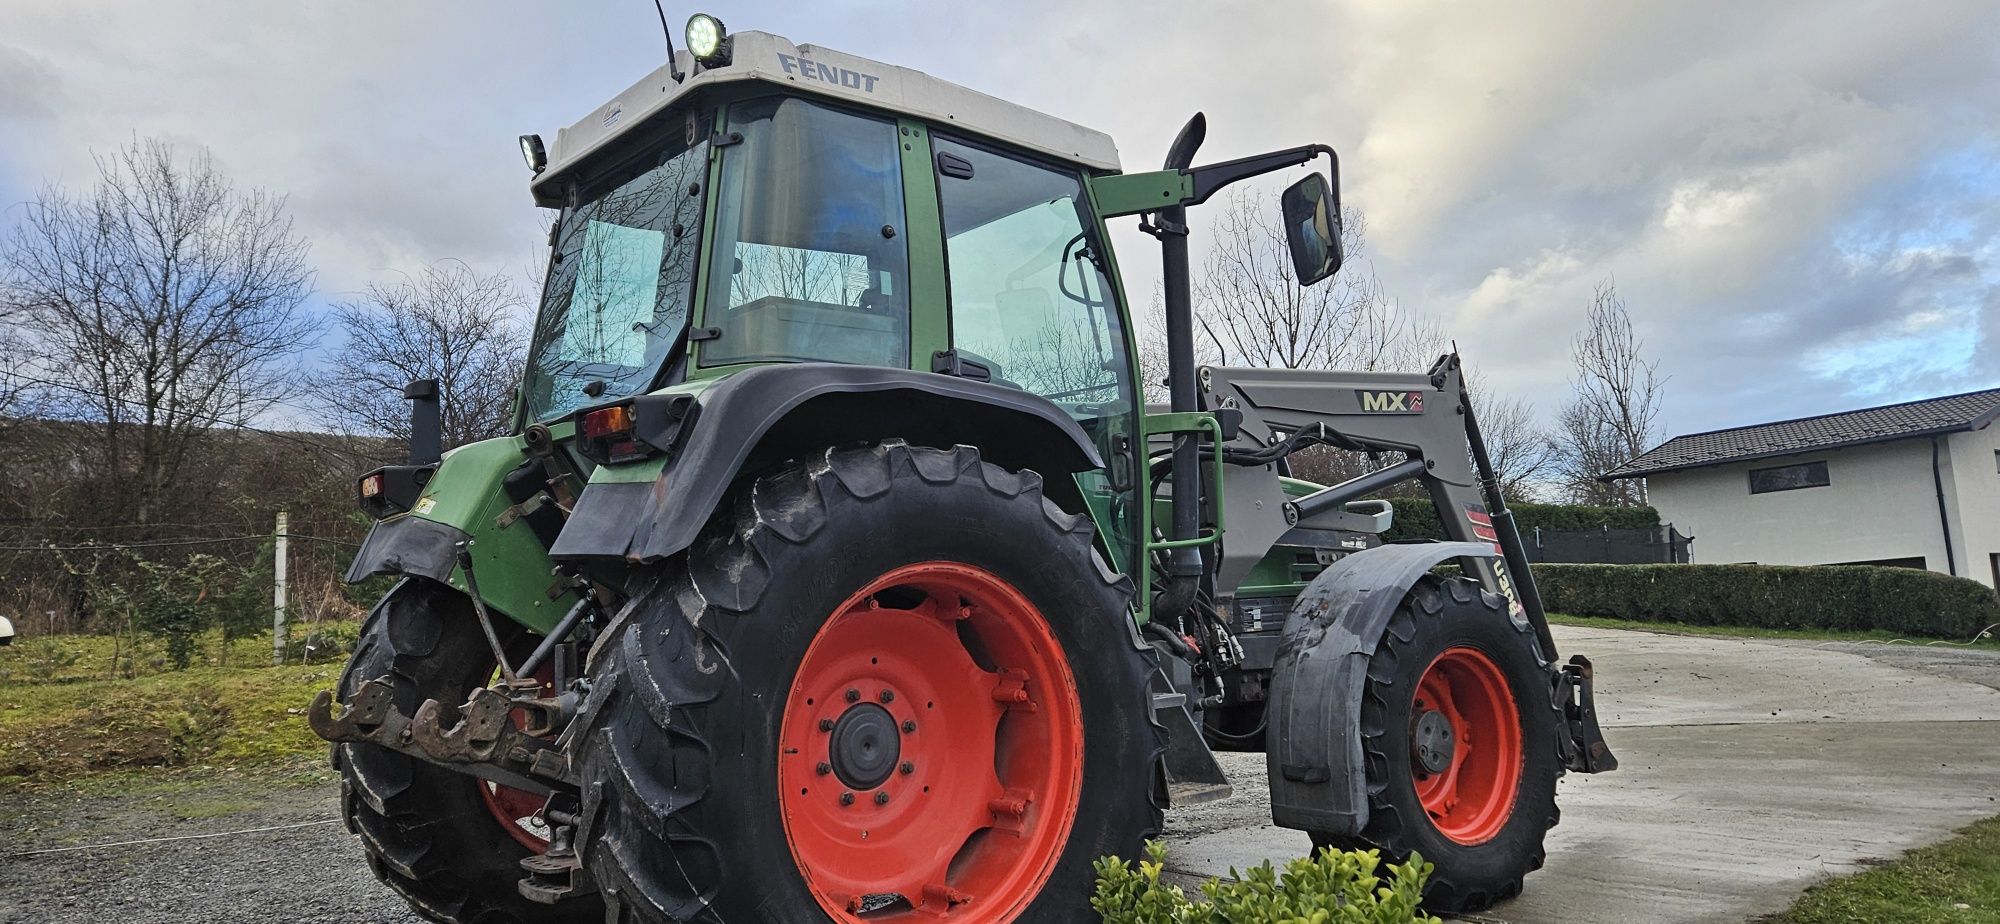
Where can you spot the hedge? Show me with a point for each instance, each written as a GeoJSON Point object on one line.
{"type": "Point", "coordinates": [1417, 519]}
{"type": "Point", "coordinates": [1851, 597]}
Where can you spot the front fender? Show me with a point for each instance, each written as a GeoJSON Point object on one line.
{"type": "Point", "coordinates": [761, 416]}
{"type": "Point", "coordinates": [1313, 752]}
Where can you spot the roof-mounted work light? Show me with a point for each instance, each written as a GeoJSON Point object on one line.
{"type": "Point", "coordinates": [533, 152]}
{"type": "Point", "coordinates": [707, 40]}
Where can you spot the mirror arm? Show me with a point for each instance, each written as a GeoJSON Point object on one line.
{"type": "Point", "coordinates": [1213, 177]}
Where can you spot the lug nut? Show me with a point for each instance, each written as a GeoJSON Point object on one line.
{"type": "Point", "coordinates": [823, 769]}
{"type": "Point", "coordinates": [854, 696]}
{"type": "Point", "coordinates": [888, 696]}
{"type": "Point", "coordinates": [881, 797]}
{"type": "Point", "coordinates": [909, 725]}
{"type": "Point", "coordinates": [847, 798]}
{"type": "Point", "coordinates": [907, 768]}
{"type": "Point", "coordinates": [826, 725]}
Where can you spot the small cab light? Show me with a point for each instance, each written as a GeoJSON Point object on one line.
{"type": "Point", "coordinates": [610, 421]}
{"type": "Point", "coordinates": [371, 485]}
{"type": "Point", "coordinates": [707, 40]}
{"type": "Point", "coordinates": [533, 152]}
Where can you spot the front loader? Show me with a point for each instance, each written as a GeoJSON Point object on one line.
{"type": "Point", "coordinates": [836, 569]}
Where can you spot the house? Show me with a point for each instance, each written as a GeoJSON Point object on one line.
{"type": "Point", "coordinates": [1914, 484]}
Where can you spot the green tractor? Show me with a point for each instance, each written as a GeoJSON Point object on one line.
{"type": "Point", "coordinates": [838, 571]}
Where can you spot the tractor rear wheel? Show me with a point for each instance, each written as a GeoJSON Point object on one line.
{"type": "Point", "coordinates": [890, 684]}
{"type": "Point", "coordinates": [1459, 732]}
{"type": "Point", "coordinates": [451, 844]}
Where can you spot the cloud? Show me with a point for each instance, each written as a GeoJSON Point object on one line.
{"type": "Point", "coordinates": [1798, 200]}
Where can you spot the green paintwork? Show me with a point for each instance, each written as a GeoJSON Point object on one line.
{"type": "Point", "coordinates": [698, 310]}
{"type": "Point", "coordinates": [513, 567]}
{"type": "Point", "coordinates": [1132, 193]}
{"type": "Point", "coordinates": [930, 316]}
{"type": "Point", "coordinates": [1185, 422]}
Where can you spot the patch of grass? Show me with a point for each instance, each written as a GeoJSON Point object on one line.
{"type": "Point", "coordinates": [66, 659]}
{"type": "Point", "coordinates": [1957, 881]}
{"type": "Point", "coordinates": [210, 717]}
{"type": "Point", "coordinates": [1991, 642]}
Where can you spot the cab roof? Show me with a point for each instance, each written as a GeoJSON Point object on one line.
{"type": "Point", "coordinates": [760, 57]}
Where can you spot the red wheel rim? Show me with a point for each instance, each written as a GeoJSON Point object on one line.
{"type": "Point", "coordinates": [519, 811]}
{"type": "Point", "coordinates": [1468, 784]}
{"type": "Point", "coordinates": [980, 780]}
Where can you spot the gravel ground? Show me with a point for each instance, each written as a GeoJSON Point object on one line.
{"type": "Point", "coordinates": [299, 875]}
{"type": "Point", "coordinates": [310, 869]}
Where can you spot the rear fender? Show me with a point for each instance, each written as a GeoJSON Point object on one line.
{"type": "Point", "coordinates": [1313, 751]}
{"type": "Point", "coordinates": [759, 417]}
{"type": "Point", "coordinates": [467, 501]}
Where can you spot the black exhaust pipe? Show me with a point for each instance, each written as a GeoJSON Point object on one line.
{"type": "Point", "coordinates": [426, 424]}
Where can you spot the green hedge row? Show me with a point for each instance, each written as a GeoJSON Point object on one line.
{"type": "Point", "coordinates": [1856, 597]}
{"type": "Point", "coordinates": [1417, 519]}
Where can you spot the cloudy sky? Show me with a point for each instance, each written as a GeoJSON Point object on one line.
{"type": "Point", "coordinates": [1800, 202]}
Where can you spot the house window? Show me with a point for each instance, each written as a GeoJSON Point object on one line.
{"type": "Point", "coordinates": [1788, 478]}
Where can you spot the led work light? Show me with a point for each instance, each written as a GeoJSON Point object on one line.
{"type": "Point", "coordinates": [533, 152]}
{"type": "Point", "coordinates": [707, 40]}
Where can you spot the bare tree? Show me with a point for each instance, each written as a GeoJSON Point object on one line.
{"type": "Point", "coordinates": [1253, 312]}
{"type": "Point", "coordinates": [448, 322]}
{"type": "Point", "coordinates": [1614, 407]}
{"type": "Point", "coordinates": [164, 302]}
{"type": "Point", "coordinates": [1524, 455]}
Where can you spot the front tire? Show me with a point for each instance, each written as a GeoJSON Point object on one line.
{"type": "Point", "coordinates": [1459, 733]}
{"type": "Point", "coordinates": [889, 684]}
{"type": "Point", "coordinates": [447, 842]}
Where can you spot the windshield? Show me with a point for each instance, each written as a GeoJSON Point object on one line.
{"type": "Point", "coordinates": [620, 281]}
{"type": "Point", "coordinates": [809, 237]}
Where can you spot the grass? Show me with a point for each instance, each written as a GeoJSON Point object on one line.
{"type": "Point", "coordinates": [1990, 642]}
{"type": "Point", "coordinates": [66, 713]}
{"type": "Point", "coordinates": [1957, 881]}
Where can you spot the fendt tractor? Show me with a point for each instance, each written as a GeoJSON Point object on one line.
{"type": "Point", "coordinates": [837, 569]}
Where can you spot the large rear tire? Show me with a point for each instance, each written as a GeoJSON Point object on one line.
{"type": "Point", "coordinates": [1459, 732]}
{"type": "Point", "coordinates": [449, 843]}
{"type": "Point", "coordinates": [888, 684]}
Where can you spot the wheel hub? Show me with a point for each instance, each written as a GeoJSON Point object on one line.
{"type": "Point", "coordinates": [865, 746]}
{"type": "Point", "coordinates": [1433, 741]}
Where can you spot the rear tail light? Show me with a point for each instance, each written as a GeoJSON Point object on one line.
{"type": "Point", "coordinates": [608, 422]}
{"type": "Point", "coordinates": [371, 485]}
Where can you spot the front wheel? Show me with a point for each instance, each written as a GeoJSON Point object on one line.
{"type": "Point", "coordinates": [894, 684]}
{"type": "Point", "coordinates": [1459, 730]}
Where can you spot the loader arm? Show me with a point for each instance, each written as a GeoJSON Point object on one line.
{"type": "Point", "coordinates": [1424, 417]}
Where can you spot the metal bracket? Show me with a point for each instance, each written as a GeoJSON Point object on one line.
{"type": "Point", "coordinates": [486, 740]}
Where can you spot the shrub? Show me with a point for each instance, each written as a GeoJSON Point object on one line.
{"type": "Point", "coordinates": [1416, 518]}
{"type": "Point", "coordinates": [1849, 597]}
{"type": "Point", "coordinates": [1331, 887]}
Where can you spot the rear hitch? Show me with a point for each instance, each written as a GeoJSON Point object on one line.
{"type": "Point", "coordinates": [1584, 749]}
{"type": "Point", "coordinates": [498, 736]}
{"type": "Point", "coordinates": [557, 873]}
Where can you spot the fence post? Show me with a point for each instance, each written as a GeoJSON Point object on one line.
{"type": "Point", "coordinates": [278, 559]}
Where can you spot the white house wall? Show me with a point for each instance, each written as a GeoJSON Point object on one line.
{"type": "Point", "coordinates": [1879, 504]}
{"type": "Point", "coordinates": [1973, 483]}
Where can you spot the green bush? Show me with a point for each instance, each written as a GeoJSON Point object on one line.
{"type": "Point", "coordinates": [1331, 887]}
{"type": "Point", "coordinates": [1852, 597]}
{"type": "Point", "coordinates": [1417, 519]}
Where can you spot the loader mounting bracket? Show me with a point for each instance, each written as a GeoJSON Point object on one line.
{"type": "Point", "coordinates": [1583, 746]}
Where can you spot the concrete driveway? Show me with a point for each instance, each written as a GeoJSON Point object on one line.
{"type": "Point", "coordinates": [1749, 770]}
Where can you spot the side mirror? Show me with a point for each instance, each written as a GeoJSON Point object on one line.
{"type": "Point", "coordinates": [1312, 228]}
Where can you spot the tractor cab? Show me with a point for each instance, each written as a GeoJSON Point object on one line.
{"type": "Point", "coordinates": [784, 203]}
